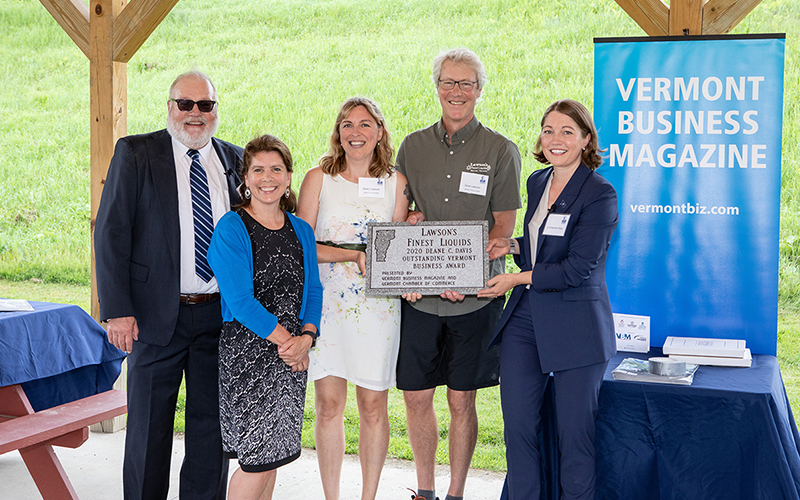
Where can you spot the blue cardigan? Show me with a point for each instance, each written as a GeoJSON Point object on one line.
{"type": "Point", "coordinates": [230, 255]}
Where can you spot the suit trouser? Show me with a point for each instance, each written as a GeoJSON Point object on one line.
{"type": "Point", "coordinates": [154, 378]}
{"type": "Point", "coordinates": [522, 387]}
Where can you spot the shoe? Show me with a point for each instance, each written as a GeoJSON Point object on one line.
{"type": "Point", "coordinates": [414, 495]}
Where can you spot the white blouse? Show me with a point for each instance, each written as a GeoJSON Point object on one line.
{"type": "Point", "coordinates": [538, 217]}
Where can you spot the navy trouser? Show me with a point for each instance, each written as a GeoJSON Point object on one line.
{"type": "Point", "coordinates": [154, 378]}
{"type": "Point", "coordinates": [522, 386]}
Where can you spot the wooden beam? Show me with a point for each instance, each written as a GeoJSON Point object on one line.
{"type": "Point", "coordinates": [135, 24]}
{"type": "Point", "coordinates": [651, 15]}
{"type": "Point", "coordinates": [48, 473]}
{"type": "Point", "coordinates": [42, 427]}
{"type": "Point", "coordinates": [686, 17]}
{"type": "Point", "coordinates": [72, 440]}
{"type": "Point", "coordinates": [721, 16]}
{"type": "Point", "coordinates": [108, 88]}
{"type": "Point", "coordinates": [73, 17]}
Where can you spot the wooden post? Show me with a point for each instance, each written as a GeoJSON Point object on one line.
{"type": "Point", "coordinates": [687, 17]}
{"type": "Point", "coordinates": [109, 95]}
{"type": "Point", "coordinates": [108, 32]}
{"type": "Point", "coordinates": [108, 87]}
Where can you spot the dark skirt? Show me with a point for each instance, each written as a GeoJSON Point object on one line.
{"type": "Point", "coordinates": [261, 401]}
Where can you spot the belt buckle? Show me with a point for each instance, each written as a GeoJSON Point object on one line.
{"type": "Point", "coordinates": [190, 298]}
{"type": "Point", "coordinates": [197, 298]}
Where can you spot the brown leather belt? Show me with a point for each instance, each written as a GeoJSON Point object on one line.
{"type": "Point", "coordinates": [198, 298]}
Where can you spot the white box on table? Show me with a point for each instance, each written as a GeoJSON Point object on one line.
{"type": "Point", "coordinates": [633, 332]}
{"type": "Point", "coordinates": [691, 346]}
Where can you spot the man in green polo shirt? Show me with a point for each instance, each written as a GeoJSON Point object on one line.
{"type": "Point", "coordinates": [444, 340]}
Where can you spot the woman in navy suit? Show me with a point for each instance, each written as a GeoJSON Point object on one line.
{"type": "Point", "coordinates": [558, 318]}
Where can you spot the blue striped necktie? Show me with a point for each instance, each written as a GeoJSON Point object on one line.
{"type": "Point", "coordinates": [203, 221]}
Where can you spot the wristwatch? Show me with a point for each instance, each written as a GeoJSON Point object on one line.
{"type": "Point", "coordinates": [313, 336]}
{"type": "Point", "coordinates": [512, 245]}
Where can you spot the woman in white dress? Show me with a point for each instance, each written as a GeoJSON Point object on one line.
{"type": "Point", "coordinates": [355, 183]}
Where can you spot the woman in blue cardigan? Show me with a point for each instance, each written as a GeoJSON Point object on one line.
{"type": "Point", "coordinates": [558, 318]}
{"type": "Point", "coordinates": [265, 261]}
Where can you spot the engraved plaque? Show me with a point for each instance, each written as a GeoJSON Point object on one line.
{"type": "Point", "coordinates": [428, 258]}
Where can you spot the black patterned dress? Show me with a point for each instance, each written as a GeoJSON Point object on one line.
{"type": "Point", "coordinates": [261, 401]}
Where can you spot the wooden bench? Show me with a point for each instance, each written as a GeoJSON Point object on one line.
{"type": "Point", "coordinates": [35, 433]}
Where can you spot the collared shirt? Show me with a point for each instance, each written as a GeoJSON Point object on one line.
{"type": "Point", "coordinates": [434, 170]}
{"type": "Point", "coordinates": [220, 204]}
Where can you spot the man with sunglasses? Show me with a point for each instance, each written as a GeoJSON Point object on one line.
{"type": "Point", "coordinates": [164, 193]}
{"type": "Point", "coordinates": [457, 169]}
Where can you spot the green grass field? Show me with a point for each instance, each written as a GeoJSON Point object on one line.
{"type": "Point", "coordinates": [283, 67]}
{"type": "Point", "coordinates": [489, 452]}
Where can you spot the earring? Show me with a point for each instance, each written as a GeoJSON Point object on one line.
{"type": "Point", "coordinates": [379, 143]}
{"type": "Point", "coordinates": [286, 194]}
{"type": "Point", "coordinates": [247, 193]}
{"type": "Point", "coordinates": [583, 149]}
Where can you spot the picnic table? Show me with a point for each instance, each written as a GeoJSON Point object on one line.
{"type": "Point", "coordinates": [56, 375]}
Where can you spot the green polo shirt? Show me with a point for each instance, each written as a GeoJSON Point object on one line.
{"type": "Point", "coordinates": [434, 169]}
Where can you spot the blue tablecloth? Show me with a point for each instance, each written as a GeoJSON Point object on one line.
{"type": "Point", "coordinates": [57, 352]}
{"type": "Point", "coordinates": [730, 435]}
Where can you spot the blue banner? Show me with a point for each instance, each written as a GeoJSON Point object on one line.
{"type": "Point", "coordinates": [692, 129]}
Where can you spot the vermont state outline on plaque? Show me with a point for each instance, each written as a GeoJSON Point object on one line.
{"type": "Point", "coordinates": [383, 238]}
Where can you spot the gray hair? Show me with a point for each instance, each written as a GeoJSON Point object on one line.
{"type": "Point", "coordinates": [459, 56]}
{"type": "Point", "coordinates": [193, 74]}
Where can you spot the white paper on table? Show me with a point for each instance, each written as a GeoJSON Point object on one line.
{"type": "Point", "coordinates": [13, 305]}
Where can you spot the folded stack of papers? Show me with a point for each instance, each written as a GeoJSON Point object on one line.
{"type": "Point", "coordinates": [711, 352]}
{"type": "Point", "coordinates": [15, 305]}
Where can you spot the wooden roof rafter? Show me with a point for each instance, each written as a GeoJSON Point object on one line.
{"type": "Point", "coordinates": [73, 17]}
{"type": "Point", "coordinates": [131, 27]}
{"type": "Point", "coordinates": [687, 17]}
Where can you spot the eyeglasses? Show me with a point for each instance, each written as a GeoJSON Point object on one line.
{"type": "Point", "coordinates": [465, 85]}
{"type": "Point", "coordinates": [188, 105]}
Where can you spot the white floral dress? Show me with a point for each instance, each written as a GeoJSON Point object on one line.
{"type": "Point", "coordinates": [359, 335]}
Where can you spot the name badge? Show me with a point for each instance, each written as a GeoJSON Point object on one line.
{"type": "Point", "coordinates": [556, 225]}
{"type": "Point", "coordinates": [473, 183]}
{"type": "Point", "coordinates": [370, 187]}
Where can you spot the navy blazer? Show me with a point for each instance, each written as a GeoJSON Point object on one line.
{"type": "Point", "coordinates": [572, 320]}
{"type": "Point", "coordinates": [137, 233]}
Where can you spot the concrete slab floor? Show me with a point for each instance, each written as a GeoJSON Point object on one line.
{"type": "Point", "coordinates": [95, 470]}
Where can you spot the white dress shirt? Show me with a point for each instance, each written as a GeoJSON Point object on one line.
{"type": "Point", "coordinates": [220, 204]}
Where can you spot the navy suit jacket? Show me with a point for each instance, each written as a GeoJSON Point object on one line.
{"type": "Point", "coordinates": [137, 234]}
{"type": "Point", "coordinates": [572, 320]}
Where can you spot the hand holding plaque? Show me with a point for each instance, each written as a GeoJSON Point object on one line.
{"type": "Point", "coordinates": [428, 257]}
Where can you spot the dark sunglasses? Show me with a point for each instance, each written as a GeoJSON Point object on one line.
{"type": "Point", "coordinates": [188, 104]}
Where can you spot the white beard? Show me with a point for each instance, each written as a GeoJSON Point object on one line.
{"type": "Point", "coordinates": [176, 130]}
